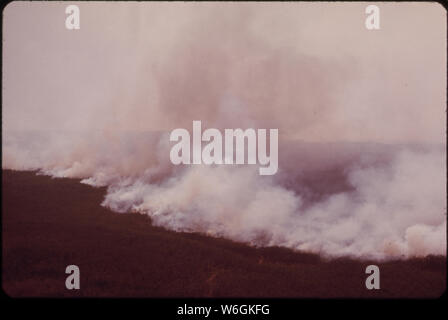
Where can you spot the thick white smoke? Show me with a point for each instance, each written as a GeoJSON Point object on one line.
{"type": "Point", "coordinates": [386, 204]}
{"type": "Point", "coordinates": [394, 211]}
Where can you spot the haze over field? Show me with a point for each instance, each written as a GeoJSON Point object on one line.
{"type": "Point", "coordinates": [361, 116]}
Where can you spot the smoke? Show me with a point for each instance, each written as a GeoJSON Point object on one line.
{"type": "Point", "coordinates": [361, 155]}
{"type": "Point", "coordinates": [385, 203]}
{"type": "Point", "coordinates": [393, 211]}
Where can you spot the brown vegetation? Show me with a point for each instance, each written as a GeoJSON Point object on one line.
{"type": "Point", "coordinates": [51, 223]}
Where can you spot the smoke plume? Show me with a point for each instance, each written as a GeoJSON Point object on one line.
{"type": "Point", "coordinates": [362, 160]}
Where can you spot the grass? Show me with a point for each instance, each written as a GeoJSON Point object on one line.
{"type": "Point", "coordinates": [51, 223]}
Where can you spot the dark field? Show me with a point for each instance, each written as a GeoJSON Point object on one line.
{"type": "Point", "coordinates": [51, 223]}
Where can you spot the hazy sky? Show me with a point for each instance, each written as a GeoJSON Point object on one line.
{"type": "Point", "coordinates": [312, 69]}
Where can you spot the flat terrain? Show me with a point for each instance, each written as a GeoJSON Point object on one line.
{"type": "Point", "coordinates": [51, 223]}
